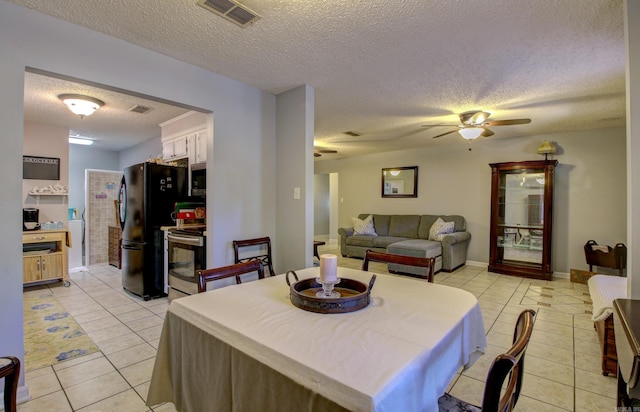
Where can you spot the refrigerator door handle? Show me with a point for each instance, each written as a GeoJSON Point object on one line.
{"type": "Point", "coordinates": [129, 247]}
{"type": "Point", "coordinates": [122, 203]}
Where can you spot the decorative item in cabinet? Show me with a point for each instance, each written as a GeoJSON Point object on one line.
{"type": "Point", "coordinates": [521, 218]}
{"type": "Point", "coordinates": [115, 246]}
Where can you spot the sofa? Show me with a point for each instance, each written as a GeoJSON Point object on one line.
{"type": "Point", "coordinates": [409, 235]}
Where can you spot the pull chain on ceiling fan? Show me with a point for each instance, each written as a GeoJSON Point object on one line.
{"type": "Point", "coordinates": [474, 124]}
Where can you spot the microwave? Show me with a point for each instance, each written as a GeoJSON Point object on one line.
{"type": "Point", "coordinates": [199, 179]}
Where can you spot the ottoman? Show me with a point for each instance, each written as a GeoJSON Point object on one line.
{"type": "Point", "coordinates": [416, 248]}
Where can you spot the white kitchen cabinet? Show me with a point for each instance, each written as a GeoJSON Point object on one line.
{"type": "Point", "coordinates": [175, 148]}
{"type": "Point", "coordinates": [200, 143]}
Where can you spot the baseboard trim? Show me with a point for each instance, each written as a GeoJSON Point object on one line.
{"type": "Point", "coordinates": [475, 263]}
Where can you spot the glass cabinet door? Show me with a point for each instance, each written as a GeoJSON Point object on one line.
{"type": "Point", "coordinates": [522, 193]}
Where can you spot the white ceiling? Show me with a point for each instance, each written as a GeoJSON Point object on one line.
{"type": "Point", "coordinates": [382, 68]}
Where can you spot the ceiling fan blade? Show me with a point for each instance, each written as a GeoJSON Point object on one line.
{"type": "Point", "coordinates": [440, 125]}
{"type": "Point", "coordinates": [444, 134]}
{"type": "Point", "coordinates": [316, 154]}
{"type": "Point", "coordinates": [507, 122]}
{"type": "Point", "coordinates": [325, 151]}
{"type": "Point", "coordinates": [486, 132]}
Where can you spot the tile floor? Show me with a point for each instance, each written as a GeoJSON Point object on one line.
{"type": "Point", "coordinates": [562, 367]}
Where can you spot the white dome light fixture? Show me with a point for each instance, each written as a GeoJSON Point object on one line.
{"type": "Point", "coordinates": [81, 105]}
{"type": "Point", "coordinates": [471, 133]}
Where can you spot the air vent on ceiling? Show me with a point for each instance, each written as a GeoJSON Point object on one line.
{"type": "Point", "coordinates": [140, 109]}
{"type": "Point", "coordinates": [230, 10]}
{"type": "Point", "coordinates": [352, 133]}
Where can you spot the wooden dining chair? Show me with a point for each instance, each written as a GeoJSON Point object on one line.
{"type": "Point", "coordinates": [508, 366]}
{"type": "Point", "coordinates": [373, 256]}
{"type": "Point", "coordinates": [259, 249]}
{"type": "Point", "coordinates": [210, 275]}
{"type": "Point", "coordinates": [11, 374]}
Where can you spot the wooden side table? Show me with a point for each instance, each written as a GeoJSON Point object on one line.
{"type": "Point", "coordinates": [317, 243]}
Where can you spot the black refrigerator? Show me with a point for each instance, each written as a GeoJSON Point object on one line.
{"type": "Point", "coordinates": [147, 196]}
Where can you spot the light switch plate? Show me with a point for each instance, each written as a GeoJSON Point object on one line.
{"type": "Point", "coordinates": [296, 193]}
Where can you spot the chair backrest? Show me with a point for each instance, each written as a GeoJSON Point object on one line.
{"type": "Point", "coordinates": [260, 244]}
{"type": "Point", "coordinates": [209, 275]}
{"type": "Point", "coordinates": [373, 256]}
{"type": "Point", "coordinates": [10, 372]}
{"type": "Point", "coordinates": [509, 365]}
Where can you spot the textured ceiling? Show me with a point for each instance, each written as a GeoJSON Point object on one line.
{"type": "Point", "coordinates": [384, 68]}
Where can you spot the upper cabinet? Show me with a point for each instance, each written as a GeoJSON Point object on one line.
{"type": "Point", "coordinates": [176, 148]}
{"type": "Point", "coordinates": [522, 218]}
{"type": "Point", "coordinates": [185, 137]}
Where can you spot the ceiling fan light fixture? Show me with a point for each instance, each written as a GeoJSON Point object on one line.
{"type": "Point", "coordinates": [81, 105]}
{"type": "Point", "coordinates": [470, 133]}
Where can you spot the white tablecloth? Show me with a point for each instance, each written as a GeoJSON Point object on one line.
{"type": "Point", "coordinates": [399, 353]}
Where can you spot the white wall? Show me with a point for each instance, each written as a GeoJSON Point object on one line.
{"type": "Point", "coordinates": [590, 188]}
{"type": "Point", "coordinates": [47, 141]}
{"type": "Point", "coordinates": [321, 206]}
{"type": "Point", "coordinates": [139, 153]}
{"type": "Point", "coordinates": [244, 132]}
{"type": "Point", "coordinates": [80, 159]}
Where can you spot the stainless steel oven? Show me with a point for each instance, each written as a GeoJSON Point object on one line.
{"type": "Point", "coordinates": [186, 255]}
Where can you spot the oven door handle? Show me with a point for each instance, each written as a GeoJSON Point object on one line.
{"type": "Point", "coordinates": [193, 241]}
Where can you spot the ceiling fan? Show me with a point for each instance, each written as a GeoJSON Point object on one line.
{"type": "Point", "coordinates": [474, 124]}
{"type": "Point", "coordinates": [319, 152]}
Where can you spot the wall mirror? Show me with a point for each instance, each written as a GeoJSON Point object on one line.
{"type": "Point", "coordinates": [400, 182]}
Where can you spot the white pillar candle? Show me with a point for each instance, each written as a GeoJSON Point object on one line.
{"type": "Point", "coordinates": [328, 268]}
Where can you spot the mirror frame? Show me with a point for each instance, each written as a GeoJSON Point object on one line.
{"type": "Point", "coordinates": [412, 169]}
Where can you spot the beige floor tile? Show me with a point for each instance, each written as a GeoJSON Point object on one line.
{"type": "Point", "coordinates": [549, 370]}
{"type": "Point", "coordinates": [84, 372]}
{"type": "Point", "coordinates": [597, 383]}
{"type": "Point", "coordinates": [90, 316]}
{"type": "Point", "coordinates": [119, 343]}
{"type": "Point", "coordinates": [143, 390]}
{"type": "Point", "coordinates": [95, 390]}
{"type": "Point", "coordinates": [138, 373]}
{"type": "Point", "coordinates": [42, 384]}
{"type": "Point", "coordinates": [128, 401]}
{"type": "Point", "coordinates": [135, 314]}
{"type": "Point", "coordinates": [100, 324]}
{"type": "Point", "coordinates": [588, 401]}
{"type": "Point", "coordinates": [165, 407]}
{"type": "Point", "coordinates": [551, 327]}
{"type": "Point", "coordinates": [552, 339]}
{"type": "Point", "coordinates": [128, 307]}
{"type": "Point", "coordinates": [526, 404]}
{"type": "Point", "coordinates": [109, 333]}
{"type": "Point", "coordinates": [132, 355]}
{"type": "Point", "coordinates": [77, 361]}
{"type": "Point", "coordinates": [151, 334]}
{"type": "Point", "coordinates": [468, 389]}
{"type": "Point", "coordinates": [587, 346]}
{"type": "Point", "coordinates": [589, 362]}
{"type": "Point", "coordinates": [53, 402]}
{"type": "Point", "coordinates": [144, 323]}
{"type": "Point", "coordinates": [550, 353]}
{"type": "Point", "coordinates": [547, 391]}
{"type": "Point", "coordinates": [479, 369]}
{"type": "Point", "coordinates": [38, 372]}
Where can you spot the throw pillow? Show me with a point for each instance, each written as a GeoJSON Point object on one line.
{"type": "Point", "coordinates": [440, 229]}
{"type": "Point", "coordinates": [364, 227]}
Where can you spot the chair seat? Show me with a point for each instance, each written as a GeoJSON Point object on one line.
{"type": "Point", "coordinates": [448, 403]}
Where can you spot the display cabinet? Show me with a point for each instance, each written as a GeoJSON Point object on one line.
{"type": "Point", "coordinates": [522, 218]}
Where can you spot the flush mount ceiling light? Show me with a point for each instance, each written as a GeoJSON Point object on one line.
{"type": "Point", "coordinates": [81, 105]}
{"type": "Point", "coordinates": [471, 133]}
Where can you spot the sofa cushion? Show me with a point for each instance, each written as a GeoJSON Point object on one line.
{"type": "Point", "coordinates": [384, 241]}
{"type": "Point", "coordinates": [361, 240]}
{"type": "Point", "coordinates": [380, 223]}
{"type": "Point", "coordinates": [426, 221]}
{"type": "Point", "coordinates": [404, 226]}
{"type": "Point", "coordinates": [440, 229]}
{"type": "Point", "coordinates": [416, 248]}
{"type": "Point", "coordinates": [363, 227]}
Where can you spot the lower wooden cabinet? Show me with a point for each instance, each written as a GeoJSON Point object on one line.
{"type": "Point", "coordinates": [42, 267]}
{"type": "Point", "coordinates": [45, 256]}
{"type": "Point", "coordinates": [115, 243]}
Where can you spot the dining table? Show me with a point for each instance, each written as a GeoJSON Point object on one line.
{"type": "Point", "coordinates": [247, 347]}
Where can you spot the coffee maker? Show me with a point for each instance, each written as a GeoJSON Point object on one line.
{"type": "Point", "coordinates": [30, 218]}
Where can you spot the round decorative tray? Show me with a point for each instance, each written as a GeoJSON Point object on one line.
{"type": "Point", "coordinates": [354, 295]}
